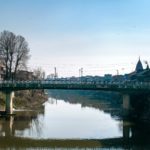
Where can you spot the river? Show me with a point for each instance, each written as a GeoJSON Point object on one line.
{"type": "Point", "coordinates": [74, 120]}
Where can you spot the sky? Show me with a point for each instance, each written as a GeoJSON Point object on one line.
{"type": "Point", "coordinates": [100, 36]}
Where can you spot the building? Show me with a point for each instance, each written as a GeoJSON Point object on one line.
{"type": "Point", "coordinates": [140, 74]}
{"type": "Point", "coordinates": [51, 76]}
{"type": "Point", "coordinates": [23, 75]}
{"type": "Point", "coordinates": [108, 77]}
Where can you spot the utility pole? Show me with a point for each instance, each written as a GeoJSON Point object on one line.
{"type": "Point", "coordinates": [81, 72]}
{"type": "Point", "coordinates": [55, 73]}
{"type": "Point", "coordinates": [117, 72]}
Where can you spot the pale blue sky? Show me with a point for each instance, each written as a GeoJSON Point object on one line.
{"type": "Point", "coordinates": [99, 35]}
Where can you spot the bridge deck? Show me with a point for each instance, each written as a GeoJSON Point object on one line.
{"type": "Point", "coordinates": [121, 86]}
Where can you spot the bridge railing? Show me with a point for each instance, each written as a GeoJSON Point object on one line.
{"type": "Point", "coordinates": [125, 84]}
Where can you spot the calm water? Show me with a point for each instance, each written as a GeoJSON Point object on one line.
{"type": "Point", "coordinates": [73, 119]}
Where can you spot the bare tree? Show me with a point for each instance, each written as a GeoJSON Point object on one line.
{"type": "Point", "coordinates": [14, 51]}
{"type": "Point", "coordinates": [39, 73]}
{"type": "Point", "coordinates": [22, 54]}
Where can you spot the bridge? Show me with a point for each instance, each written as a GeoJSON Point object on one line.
{"type": "Point", "coordinates": [75, 85]}
{"type": "Point", "coordinates": [124, 87]}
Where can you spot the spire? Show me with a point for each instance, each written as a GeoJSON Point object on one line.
{"type": "Point", "coordinates": [139, 66]}
{"type": "Point", "coordinates": [147, 68]}
{"type": "Point", "coordinates": [147, 65]}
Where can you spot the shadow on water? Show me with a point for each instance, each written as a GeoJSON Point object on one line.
{"type": "Point", "coordinates": [134, 135]}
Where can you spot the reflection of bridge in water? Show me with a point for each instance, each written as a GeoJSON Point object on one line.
{"type": "Point", "coordinates": [8, 138]}
{"type": "Point", "coordinates": [123, 87]}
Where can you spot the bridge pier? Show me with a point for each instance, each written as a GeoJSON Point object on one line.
{"type": "Point", "coordinates": [8, 127]}
{"type": "Point", "coordinates": [9, 102]}
{"type": "Point", "coordinates": [126, 104]}
{"type": "Point", "coordinates": [126, 130]}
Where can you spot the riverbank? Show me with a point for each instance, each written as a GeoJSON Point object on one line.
{"type": "Point", "coordinates": [27, 99]}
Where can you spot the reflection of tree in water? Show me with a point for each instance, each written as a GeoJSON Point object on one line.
{"type": "Point", "coordinates": [36, 125]}
{"type": "Point", "coordinates": [21, 122]}
{"type": "Point", "coordinates": [110, 102]}
{"type": "Point", "coordinates": [52, 100]}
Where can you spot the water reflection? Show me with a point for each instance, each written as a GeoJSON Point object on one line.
{"type": "Point", "coordinates": [73, 119]}
{"type": "Point", "coordinates": [18, 124]}
{"type": "Point", "coordinates": [109, 102]}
